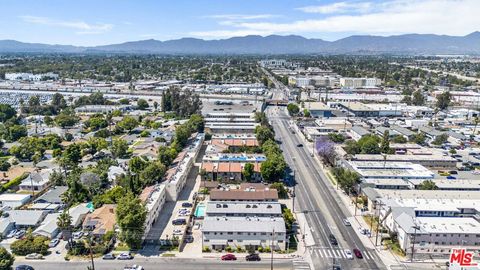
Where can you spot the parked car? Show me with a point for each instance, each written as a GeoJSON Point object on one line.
{"type": "Point", "coordinates": [253, 257]}
{"type": "Point", "coordinates": [348, 254]}
{"type": "Point", "coordinates": [196, 226]}
{"type": "Point", "coordinates": [187, 204]}
{"type": "Point", "coordinates": [177, 232]}
{"type": "Point", "coordinates": [179, 221]}
{"type": "Point", "coordinates": [357, 253]}
{"type": "Point", "coordinates": [346, 222]}
{"type": "Point", "coordinates": [77, 235]}
{"type": "Point", "coordinates": [108, 256]}
{"type": "Point", "coordinates": [20, 234]}
{"type": "Point", "coordinates": [299, 145]}
{"type": "Point", "coordinates": [53, 243]}
{"type": "Point", "coordinates": [11, 233]}
{"type": "Point", "coordinates": [133, 267]}
{"type": "Point", "coordinates": [125, 256]}
{"type": "Point", "coordinates": [24, 267]}
{"type": "Point", "coordinates": [332, 239]}
{"type": "Point", "coordinates": [34, 256]}
{"type": "Point", "coordinates": [229, 257]}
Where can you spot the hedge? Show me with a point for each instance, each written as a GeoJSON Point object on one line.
{"type": "Point", "coordinates": [14, 182]}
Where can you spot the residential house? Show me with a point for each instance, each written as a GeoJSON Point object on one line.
{"type": "Point", "coordinates": [48, 227]}
{"type": "Point", "coordinates": [101, 221]}
{"type": "Point", "coordinates": [36, 181]}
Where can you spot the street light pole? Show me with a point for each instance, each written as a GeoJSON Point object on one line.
{"type": "Point", "coordinates": [294, 194]}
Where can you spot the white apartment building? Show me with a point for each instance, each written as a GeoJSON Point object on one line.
{"type": "Point", "coordinates": [435, 225]}
{"type": "Point", "coordinates": [30, 76]}
{"type": "Point", "coordinates": [177, 176]}
{"type": "Point", "coordinates": [154, 198]}
{"type": "Point", "coordinates": [244, 224]}
{"type": "Point", "coordinates": [359, 82]}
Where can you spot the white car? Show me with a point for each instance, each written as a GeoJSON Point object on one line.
{"type": "Point", "coordinates": [346, 222]}
{"type": "Point", "coordinates": [177, 232]}
{"type": "Point", "coordinates": [349, 254]}
{"type": "Point", "coordinates": [133, 267]}
{"type": "Point", "coordinates": [77, 235]}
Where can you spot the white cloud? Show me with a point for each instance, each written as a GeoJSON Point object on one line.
{"type": "Point", "coordinates": [451, 17]}
{"type": "Point", "coordinates": [81, 26]}
{"type": "Point", "coordinates": [339, 7]}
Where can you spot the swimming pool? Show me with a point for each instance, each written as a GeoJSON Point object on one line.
{"type": "Point", "coordinates": [200, 210]}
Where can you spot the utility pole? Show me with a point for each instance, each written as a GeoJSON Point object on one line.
{"type": "Point", "coordinates": [271, 249]}
{"type": "Point", "coordinates": [415, 227]}
{"type": "Point", "coordinates": [91, 252]}
{"type": "Point", "coordinates": [378, 223]}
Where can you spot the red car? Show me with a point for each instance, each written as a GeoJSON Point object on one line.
{"type": "Point", "coordinates": [357, 253]}
{"type": "Point", "coordinates": [229, 257]}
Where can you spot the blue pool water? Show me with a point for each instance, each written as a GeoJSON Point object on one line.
{"type": "Point", "coordinates": [200, 211]}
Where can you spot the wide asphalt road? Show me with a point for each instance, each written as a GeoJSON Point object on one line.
{"type": "Point", "coordinates": [316, 197]}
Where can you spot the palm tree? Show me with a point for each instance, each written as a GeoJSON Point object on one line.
{"type": "Point", "coordinates": [64, 223]}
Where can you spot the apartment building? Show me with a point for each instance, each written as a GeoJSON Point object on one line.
{"type": "Point", "coordinates": [248, 225]}
{"type": "Point", "coordinates": [359, 82]}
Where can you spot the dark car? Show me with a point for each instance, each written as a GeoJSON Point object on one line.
{"type": "Point", "coordinates": [180, 221]}
{"type": "Point", "coordinates": [253, 257]}
{"type": "Point", "coordinates": [24, 267]}
{"type": "Point", "coordinates": [299, 145]}
{"type": "Point", "coordinates": [187, 204]}
{"type": "Point", "coordinates": [229, 257]}
{"type": "Point", "coordinates": [357, 253]}
{"type": "Point", "coordinates": [332, 240]}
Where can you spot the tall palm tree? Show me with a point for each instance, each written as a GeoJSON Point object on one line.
{"type": "Point", "coordinates": [64, 223]}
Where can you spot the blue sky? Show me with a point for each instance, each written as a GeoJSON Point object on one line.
{"type": "Point", "coordinates": [98, 22]}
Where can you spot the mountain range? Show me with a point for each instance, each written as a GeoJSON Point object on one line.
{"type": "Point", "coordinates": [273, 44]}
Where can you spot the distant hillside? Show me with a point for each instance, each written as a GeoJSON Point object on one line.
{"type": "Point", "coordinates": [274, 44]}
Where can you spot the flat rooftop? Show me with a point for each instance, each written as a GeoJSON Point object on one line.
{"type": "Point", "coordinates": [249, 208]}
{"type": "Point", "coordinates": [222, 107]}
{"type": "Point", "coordinates": [243, 224]}
{"type": "Point", "coordinates": [389, 169]}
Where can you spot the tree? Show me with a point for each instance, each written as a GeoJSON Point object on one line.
{"type": "Point", "coordinates": [6, 112]}
{"type": "Point", "coordinates": [264, 134]}
{"type": "Point", "coordinates": [6, 259]}
{"type": "Point", "coordinates": [128, 123]}
{"type": "Point", "coordinates": [72, 155]}
{"type": "Point", "coordinates": [352, 147]}
{"type": "Point", "coordinates": [155, 105]}
{"type": "Point", "coordinates": [336, 137]}
{"type": "Point", "coordinates": [306, 113]}
{"type": "Point", "coordinates": [326, 150]}
{"type": "Point", "coordinates": [64, 223]}
{"type": "Point", "coordinates": [16, 132]}
{"type": "Point", "coordinates": [153, 173]}
{"type": "Point", "coordinates": [142, 104]}
{"type": "Point", "coordinates": [182, 133]}
{"type": "Point", "coordinates": [119, 148]}
{"type": "Point", "coordinates": [273, 168]}
{"type": "Point", "coordinates": [428, 185]}
{"type": "Point", "coordinates": [137, 164]}
{"type": "Point", "coordinates": [441, 139]}
{"type": "Point", "coordinates": [58, 102]}
{"type": "Point", "coordinates": [131, 215]}
{"type": "Point", "coordinates": [443, 101]}
{"type": "Point", "coordinates": [66, 118]}
{"type": "Point", "coordinates": [399, 139]}
{"type": "Point", "coordinates": [282, 191]}
{"type": "Point", "coordinates": [248, 171]}
{"type": "Point", "coordinates": [346, 179]}
{"type": "Point", "coordinates": [369, 144]}
{"type": "Point", "coordinates": [293, 109]}
{"type": "Point", "coordinates": [4, 165]}
{"type": "Point", "coordinates": [385, 145]}
{"type": "Point", "coordinates": [419, 138]}
{"type": "Point", "coordinates": [418, 98]}
{"type": "Point", "coordinates": [288, 217]}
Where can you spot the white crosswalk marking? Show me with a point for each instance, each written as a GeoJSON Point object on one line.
{"type": "Point", "coordinates": [329, 255]}
{"type": "Point", "coordinates": [336, 254]}
{"type": "Point", "coordinates": [366, 255]}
